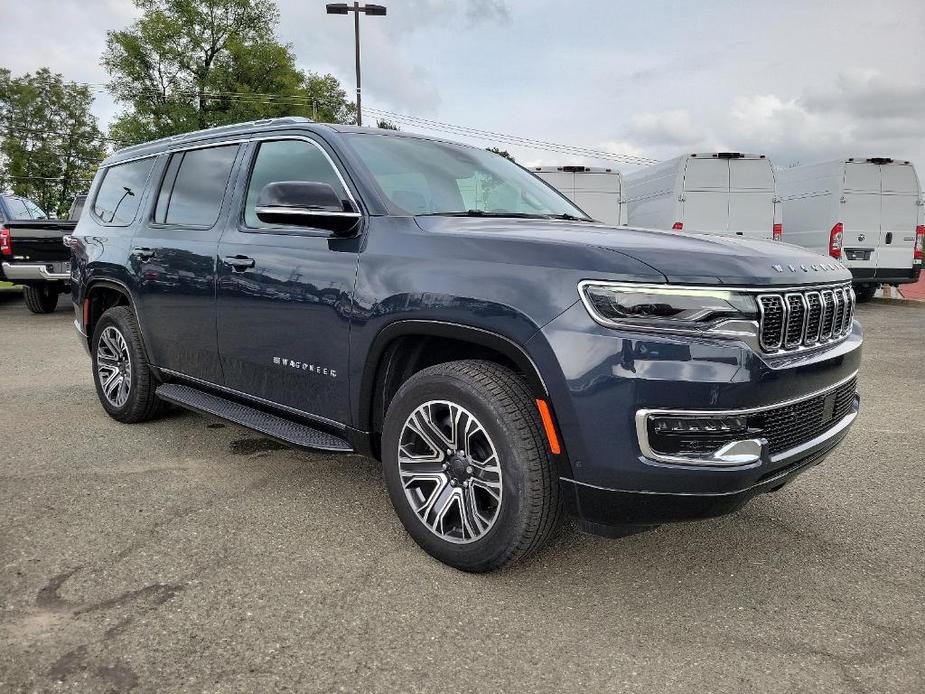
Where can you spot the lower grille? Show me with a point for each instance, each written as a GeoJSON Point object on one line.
{"type": "Point", "coordinates": [784, 427]}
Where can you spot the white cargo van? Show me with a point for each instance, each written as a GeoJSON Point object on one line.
{"type": "Point", "coordinates": [725, 193]}
{"type": "Point", "coordinates": [865, 212]}
{"type": "Point", "coordinates": [595, 190]}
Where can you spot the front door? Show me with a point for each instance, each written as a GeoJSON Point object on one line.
{"type": "Point", "coordinates": [284, 292]}
{"type": "Point", "coordinates": [173, 262]}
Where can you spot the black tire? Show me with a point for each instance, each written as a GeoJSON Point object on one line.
{"type": "Point", "coordinates": [865, 292]}
{"type": "Point", "coordinates": [141, 403]}
{"type": "Point", "coordinates": [41, 298]}
{"type": "Point", "coordinates": [530, 505]}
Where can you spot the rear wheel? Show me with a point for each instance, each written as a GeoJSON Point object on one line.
{"type": "Point", "coordinates": [467, 466]}
{"type": "Point", "coordinates": [41, 298]}
{"type": "Point", "coordinates": [865, 292]}
{"type": "Point", "coordinates": [124, 381]}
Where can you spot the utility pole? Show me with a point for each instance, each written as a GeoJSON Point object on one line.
{"type": "Point", "coordinates": [356, 8]}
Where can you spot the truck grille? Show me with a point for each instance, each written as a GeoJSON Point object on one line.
{"type": "Point", "coordinates": [804, 319]}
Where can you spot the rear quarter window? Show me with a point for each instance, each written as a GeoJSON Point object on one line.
{"type": "Point", "coordinates": [119, 194]}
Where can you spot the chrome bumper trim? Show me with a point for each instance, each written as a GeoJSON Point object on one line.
{"type": "Point", "coordinates": [715, 460]}
{"type": "Point", "coordinates": [32, 272]}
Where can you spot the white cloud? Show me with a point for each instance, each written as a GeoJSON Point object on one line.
{"type": "Point", "coordinates": [675, 127]}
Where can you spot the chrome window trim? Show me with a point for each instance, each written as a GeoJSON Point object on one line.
{"type": "Point", "coordinates": [306, 212]}
{"type": "Point", "coordinates": [642, 430]}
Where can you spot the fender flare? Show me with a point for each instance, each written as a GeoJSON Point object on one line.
{"type": "Point", "coordinates": [433, 328]}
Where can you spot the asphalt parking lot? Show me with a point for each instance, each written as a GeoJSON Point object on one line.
{"type": "Point", "coordinates": [184, 554]}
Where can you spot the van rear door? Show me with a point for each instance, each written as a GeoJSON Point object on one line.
{"type": "Point", "coordinates": [899, 212]}
{"type": "Point", "coordinates": [860, 217]}
{"type": "Point", "coordinates": [598, 194]}
{"type": "Point", "coordinates": [751, 198]}
{"type": "Point", "coordinates": [705, 200]}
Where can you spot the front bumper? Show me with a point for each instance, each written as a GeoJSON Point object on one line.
{"type": "Point", "coordinates": [609, 507]}
{"type": "Point", "coordinates": [34, 272]}
{"type": "Point", "coordinates": [599, 379]}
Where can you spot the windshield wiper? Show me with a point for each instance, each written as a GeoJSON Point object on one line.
{"type": "Point", "coordinates": [570, 217]}
{"type": "Point", "coordinates": [483, 213]}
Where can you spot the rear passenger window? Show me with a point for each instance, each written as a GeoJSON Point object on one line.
{"type": "Point", "coordinates": [119, 195]}
{"type": "Point", "coordinates": [287, 160]}
{"type": "Point", "coordinates": [194, 185]}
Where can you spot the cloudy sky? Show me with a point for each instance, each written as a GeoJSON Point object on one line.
{"type": "Point", "coordinates": [799, 81]}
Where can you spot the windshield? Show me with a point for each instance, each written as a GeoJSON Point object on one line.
{"type": "Point", "coordinates": [426, 177]}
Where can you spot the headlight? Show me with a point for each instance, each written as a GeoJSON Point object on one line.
{"type": "Point", "coordinates": [664, 308]}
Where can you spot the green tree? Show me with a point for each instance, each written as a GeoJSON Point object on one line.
{"type": "Point", "coordinates": [386, 124]}
{"type": "Point", "coordinates": [500, 152]}
{"type": "Point", "coordinates": [50, 143]}
{"type": "Point", "coordinates": [191, 64]}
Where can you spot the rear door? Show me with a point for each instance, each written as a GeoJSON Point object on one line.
{"type": "Point", "coordinates": [705, 200]}
{"type": "Point", "coordinates": [284, 292]}
{"type": "Point", "coordinates": [860, 217]}
{"type": "Point", "coordinates": [751, 198]}
{"type": "Point", "coordinates": [173, 260]}
{"type": "Point", "coordinates": [899, 211]}
{"type": "Point", "coordinates": [598, 194]}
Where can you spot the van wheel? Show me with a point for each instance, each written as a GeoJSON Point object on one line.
{"type": "Point", "coordinates": [865, 292]}
{"type": "Point", "coordinates": [41, 298]}
{"type": "Point", "coordinates": [467, 466]}
{"type": "Point", "coordinates": [124, 382]}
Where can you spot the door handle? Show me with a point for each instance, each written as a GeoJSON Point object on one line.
{"type": "Point", "coordinates": [239, 263]}
{"type": "Point", "coordinates": [143, 252]}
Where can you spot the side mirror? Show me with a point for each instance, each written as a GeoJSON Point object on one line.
{"type": "Point", "coordinates": [305, 203]}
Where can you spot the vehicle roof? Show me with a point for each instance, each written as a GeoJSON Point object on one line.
{"type": "Point", "coordinates": [163, 144]}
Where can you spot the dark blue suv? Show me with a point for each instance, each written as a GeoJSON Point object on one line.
{"type": "Point", "coordinates": [439, 308]}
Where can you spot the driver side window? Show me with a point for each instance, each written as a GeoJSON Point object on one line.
{"type": "Point", "coordinates": [287, 160]}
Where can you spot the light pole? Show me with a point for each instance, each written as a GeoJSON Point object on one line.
{"type": "Point", "coordinates": [356, 8]}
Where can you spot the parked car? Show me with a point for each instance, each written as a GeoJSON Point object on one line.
{"type": "Point", "coordinates": [596, 190]}
{"type": "Point", "coordinates": [503, 356]}
{"type": "Point", "coordinates": [77, 207]}
{"type": "Point", "coordinates": [866, 212]}
{"type": "Point", "coordinates": [725, 193]}
{"type": "Point", "coordinates": [32, 253]}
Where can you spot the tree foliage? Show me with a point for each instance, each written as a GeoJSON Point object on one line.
{"type": "Point", "coordinates": [50, 143]}
{"type": "Point", "coordinates": [500, 152]}
{"type": "Point", "coordinates": [386, 124]}
{"type": "Point", "coordinates": [191, 64]}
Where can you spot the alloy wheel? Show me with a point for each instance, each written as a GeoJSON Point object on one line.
{"type": "Point", "coordinates": [450, 471]}
{"type": "Point", "coordinates": [114, 366]}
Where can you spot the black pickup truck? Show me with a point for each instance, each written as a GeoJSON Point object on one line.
{"type": "Point", "coordinates": [439, 308]}
{"type": "Point", "coordinates": [32, 252]}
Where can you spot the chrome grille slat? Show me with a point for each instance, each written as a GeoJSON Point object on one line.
{"type": "Point", "coordinates": [813, 318]}
{"type": "Point", "coordinates": [801, 319]}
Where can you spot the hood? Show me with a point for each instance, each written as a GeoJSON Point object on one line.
{"type": "Point", "coordinates": [682, 257]}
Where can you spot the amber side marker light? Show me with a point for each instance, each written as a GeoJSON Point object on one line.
{"type": "Point", "coordinates": [550, 428]}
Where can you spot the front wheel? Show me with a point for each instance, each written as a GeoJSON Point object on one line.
{"type": "Point", "coordinates": [467, 466]}
{"type": "Point", "coordinates": [41, 298]}
{"type": "Point", "coordinates": [123, 378]}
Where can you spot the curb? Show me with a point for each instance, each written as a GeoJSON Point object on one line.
{"type": "Point", "coordinates": [905, 303]}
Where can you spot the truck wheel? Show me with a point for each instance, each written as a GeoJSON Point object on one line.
{"type": "Point", "coordinates": [467, 466]}
{"type": "Point", "coordinates": [124, 381]}
{"type": "Point", "coordinates": [865, 292]}
{"type": "Point", "coordinates": [41, 298]}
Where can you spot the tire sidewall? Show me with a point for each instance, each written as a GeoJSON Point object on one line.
{"type": "Point", "coordinates": [511, 521]}
{"type": "Point", "coordinates": [111, 319]}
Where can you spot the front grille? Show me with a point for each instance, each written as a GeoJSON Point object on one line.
{"type": "Point", "coordinates": [792, 425]}
{"type": "Point", "coordinates": [804, 318]}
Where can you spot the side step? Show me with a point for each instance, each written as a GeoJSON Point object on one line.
{"type": "Point", "coordinates": [284, 430]}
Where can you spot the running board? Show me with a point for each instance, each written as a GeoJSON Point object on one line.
{"type": "Point", "coordinates": [284, 430]}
